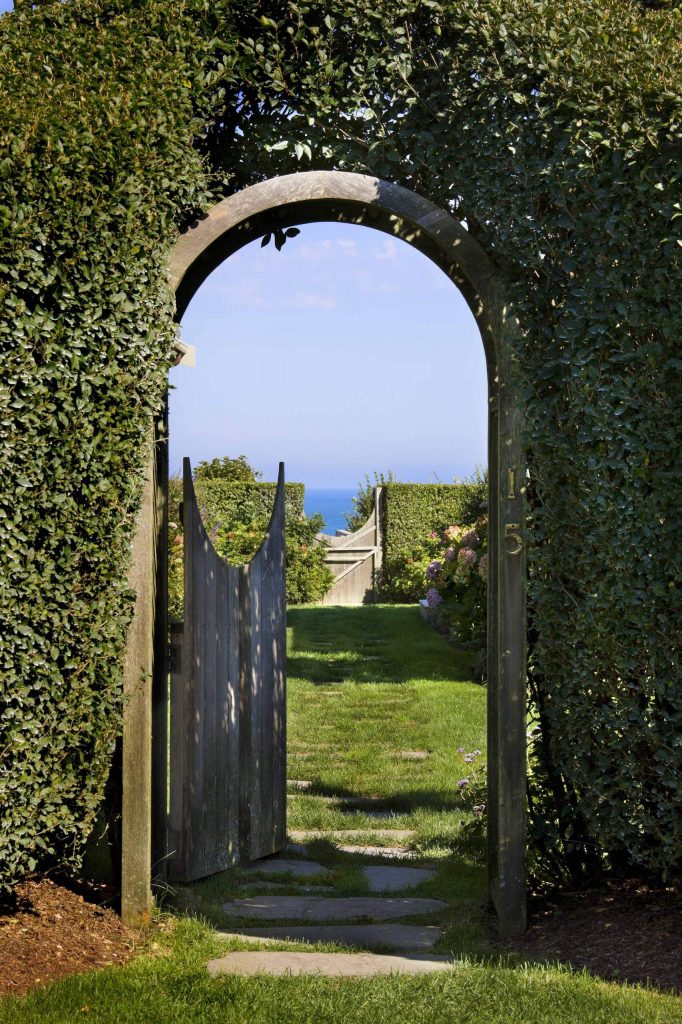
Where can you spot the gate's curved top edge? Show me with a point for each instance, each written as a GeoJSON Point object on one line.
{"type": "Point", "coordinates": [278, 508]}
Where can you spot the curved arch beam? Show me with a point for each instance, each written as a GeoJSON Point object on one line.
{"type": "Point", "coordinates": [316, 196]}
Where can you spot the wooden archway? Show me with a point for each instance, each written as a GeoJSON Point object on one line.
{"type": "Point", "coordinates": [319, 196]}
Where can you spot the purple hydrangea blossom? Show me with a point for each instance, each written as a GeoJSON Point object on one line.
{"type": "Point", "coordinates": [466, 557]}
{"type": "Point", "coordinates": [432, 570]}
{"type": "Point", "coordinates": [433, 598]}
{"type": "Point", "coordinates": [451, 554]}
{"type": "Point", "coordinates": [470, 539]}
{"type": "Point", "coordinates": [483, 566]}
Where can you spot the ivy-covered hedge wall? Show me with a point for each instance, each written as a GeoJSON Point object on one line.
{"type": "Point", "coordinates": [553, 128]}
{"type": "Point", "coordinates": [409, 512]}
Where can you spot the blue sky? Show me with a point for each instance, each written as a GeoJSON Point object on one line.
{"type": "Point", "coordinates": [346, 352]}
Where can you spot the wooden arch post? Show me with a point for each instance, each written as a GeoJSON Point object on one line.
{"type": "Point", "coordinates": [319, 196]}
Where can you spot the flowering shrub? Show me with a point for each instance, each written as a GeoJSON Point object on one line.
{"type": "Point", "coordinates": [458, 581]}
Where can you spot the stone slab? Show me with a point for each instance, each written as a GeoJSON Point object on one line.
{"type": "Point", "coordinates": [397, 834]}
{"type": "Point", "coordinates": [389, 878]}
{"type": "Point", "coordinates": [390, 852]}
{"type": "Point", "coordinates": [262, 886]}
{"type": "Point", "coordinates": [319, 908]}
{"type": "Point", "coordinates": [282, 866]}
{"type": "Point", "coordinates": [406, 937]}
{"type": "Point", "coordinates": [414, 755]}
{"type": "Point", "coordinates": [329, 965]}
{"type": "Point", "coordinates": [300, 784]}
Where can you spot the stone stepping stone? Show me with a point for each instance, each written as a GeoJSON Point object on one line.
{"type": "Point", "coordinates": [414, 755]}
{"type": "Point", "coordinates": [262, 886]}
{"type": "Point", "coordinates": [386, 878]}
{"type": "Point", "coordinates": [390, 852]}
{"type": "Point", "coordinates": [299, 784]}
{"type": "Point", "coordinates": [407, 937]}
{"type": "Point", "coordinates": [329, 965]}
{"type": "Point", "coordinates": [351, 833]}
{"type": "Point", "coordinates": [319, 908]}
{"type": "Point", "coordinates": [282, 866]}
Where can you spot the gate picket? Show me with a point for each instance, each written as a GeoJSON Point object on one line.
{"type": "Point", "coordinates": [228, 754]}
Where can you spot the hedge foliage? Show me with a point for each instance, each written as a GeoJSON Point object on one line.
{"type": "Point", "coordinates": [410, 512]}
{"type": "Point", "coordinates": [553, 128]}
{"type": "Point", "coordinates": [223, 502]}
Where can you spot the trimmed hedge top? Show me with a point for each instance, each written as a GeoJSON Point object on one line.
{"type": "Point", "coordinates": [226, 501]}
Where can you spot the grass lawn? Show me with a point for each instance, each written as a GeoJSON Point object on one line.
{"type": "Point", "coordinates": [366, 686]}
{"type": "Point", "coordinates": [172, 987]}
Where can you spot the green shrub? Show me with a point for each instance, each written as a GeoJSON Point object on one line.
{"type": "Point", "coordinates": [363, 501]}
{"type": "Point", "coordinates": [308, 578]}
{"type": "Point", "coordinates": [236, 516]}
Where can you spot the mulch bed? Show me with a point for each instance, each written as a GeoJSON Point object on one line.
{"type": "Point", "coordinates": [629, 932]}
{"type": "Point", "coordinates": [53, 931]}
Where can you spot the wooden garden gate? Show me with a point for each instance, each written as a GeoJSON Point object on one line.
{"type": "Point", "coordinates": [355, 559]}
{"type": "Point", "coordinates": [228, 702]}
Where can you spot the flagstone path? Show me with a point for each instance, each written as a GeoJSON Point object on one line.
{"type": "Point", "coordinates": [315, 915]}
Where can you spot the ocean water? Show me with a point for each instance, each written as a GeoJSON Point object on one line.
{"type": "Point", "coordinates": [332, 502]}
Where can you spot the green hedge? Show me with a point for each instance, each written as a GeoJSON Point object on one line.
{"type": "Point", "coordinates": [409, 512]}
{"type": "Point", "coordinates": [221, 501]}
{"type": "Point", "coordinates": [552, 127]}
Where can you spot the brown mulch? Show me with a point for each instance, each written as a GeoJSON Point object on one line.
{"type": "Point", "coordinates": [628, 932]}
{"type": "Point", "coordinates": [53, 931]}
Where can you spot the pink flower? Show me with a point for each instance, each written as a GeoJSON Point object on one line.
{"type": "Point", "coordinates": [452, 533]}
{"type": "Point", "coordinates": [433, 535]}
{"type": "Point", "coordinates": [433, 598]}
{"type": "Point", "coordinates": [483, 567]}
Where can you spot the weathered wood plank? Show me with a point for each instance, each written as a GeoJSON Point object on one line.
{"type": "Point", "coordinates": [278, 642]}
{"type": "Point", "coordinates": [136, 824]}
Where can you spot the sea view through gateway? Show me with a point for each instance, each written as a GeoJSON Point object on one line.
{"type": "Point", "coordinates": [333, 502]}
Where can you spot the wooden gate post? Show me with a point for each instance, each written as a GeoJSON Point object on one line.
{"type": "Point", "coordinates": [138, 673]}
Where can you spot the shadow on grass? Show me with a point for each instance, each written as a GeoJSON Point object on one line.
{"type": "Point", "coordinates": [370, 644]}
